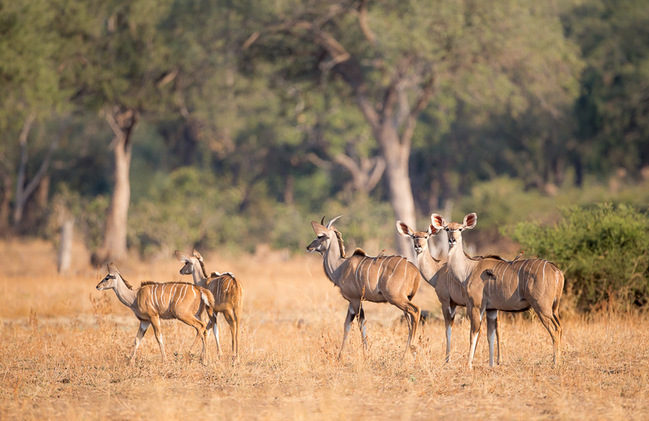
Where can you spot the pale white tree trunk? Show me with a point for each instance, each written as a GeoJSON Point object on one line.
{"type": "Point", "coordinates": [122, 121]}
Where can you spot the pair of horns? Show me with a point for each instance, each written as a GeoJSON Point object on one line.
{"type": "Point", "coordinates": [330, 222]}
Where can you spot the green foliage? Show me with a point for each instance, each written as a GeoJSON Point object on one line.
{"type": "Point", "coordinates": [603, 250]}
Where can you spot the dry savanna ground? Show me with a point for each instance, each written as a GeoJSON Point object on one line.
{"type": "Point", "coordinates": [64, 348]}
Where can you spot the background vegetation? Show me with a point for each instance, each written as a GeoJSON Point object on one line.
{"type": "Point", "coordinates": [239, 122]}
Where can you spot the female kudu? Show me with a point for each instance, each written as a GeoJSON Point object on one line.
{"type": "Point", "coordinates": [154, 301]}
{"type": "Point", "coordinates": [492, 283]}
{"type": "Point", "coordinates": [360, 277]}
{"type": "Point", "coordinates": [227, 291]}
{"type": "Point", "coordinates": [448, 288]}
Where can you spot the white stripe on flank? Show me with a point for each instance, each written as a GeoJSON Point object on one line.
{"type": "Point", "coordinates": [405, 271]}
{"type": "Point", "coordinates": [155, 296]}
{"type": "Point", "coordinates": [369, 267]}
{"type": "Point", "coordinates": [194, 291]}
{"type": "Point", "coordinates": [378, 273]}
{"type": "Point", "coordinates": [543, 280]}
{"type": "Point", "coordinates": [183, 293]}
{"type": "Point", "coordinates": [358, 268]}
{"type": "Point", "coordinates": [394, 269]}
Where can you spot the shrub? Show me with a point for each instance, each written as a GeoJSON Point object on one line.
{"type": "Point", "coordinates": [602, 249]}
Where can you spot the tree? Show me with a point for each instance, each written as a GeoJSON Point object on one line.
{"type": "Point", "coordinates": [397, 58]}
{"type": "Point", "coordinates": [122, 70]}
{"type": "Point", "coordinates": [32, 95]}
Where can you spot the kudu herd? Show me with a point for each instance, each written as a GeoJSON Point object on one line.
{"type": "Point", "coordinates": [484, 285]}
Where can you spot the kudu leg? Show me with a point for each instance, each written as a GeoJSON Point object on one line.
{"type": "Point", "coordinates": [348, 322]}
{"type": "Point", "coordinates": [476, 320]}
{"type": "Point", "coordinates": [448, 311]}
{"type": "Point", "coordinates": [138, 338]}
{"type": "Point", "coordinates": [361, 326]}
{"type": "Point", "coordinates": [215, 329]}
{"type": "Point", "coordinates": [412, 314]}
{"type": "Point", "coordinates": [554, 329]}
{"type": "Point", "coordinates": [232, 322]}
{"type": "Point", "coordinates": [155, 322]}
{"type": "Point", "coordinates": [492, 333]}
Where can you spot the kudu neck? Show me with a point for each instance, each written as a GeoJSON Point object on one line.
{"type": "Point", "coordinates": [428, 265]}
{"type": "Point", "coordinates": [197, 275]}
{"type": "Point", "coordinates": [124, 293]}
{"type": "Point", "coordinates": [458, 262]}
{"type": "Point", "coordinates": [332, 259]}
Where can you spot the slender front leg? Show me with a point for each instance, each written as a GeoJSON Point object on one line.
{"type": "Point", "coordinates": [492, 333]}
{"type": "Point", "coordinates": [138, 337]}
{"type": "Point", "coordinates": [348, 322]}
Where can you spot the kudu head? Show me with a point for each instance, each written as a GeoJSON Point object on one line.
{"type": "Point", "coordinates": [419, 238]}
{"type": "Point", "coordinates": [324, 236]}
{"type": "Point", "coordinates": [188, 262]}
{"type": "Point", "coordinates": [111, 279]}
{"type": "Point", "coordinates": [454, 229]}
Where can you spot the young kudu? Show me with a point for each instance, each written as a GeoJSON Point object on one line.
{"type": "Point", "coordinates": [448, 288]}
{"type": "Point", "coordinates": [360, 277]}
{"type": "Point", "coordinates": [154, 301]}
{"type": "Point", "coordinates": [227, 291]}
{"type": "Point", "coordinates": [492, 283]}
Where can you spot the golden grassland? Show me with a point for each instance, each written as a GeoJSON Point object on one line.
{"type": "Point", "coordinates": [64, 349]}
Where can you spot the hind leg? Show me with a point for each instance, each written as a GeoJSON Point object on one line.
{"type": "Point", "coordinates": [361, 326]}
{"type": "Point", "coordinates": [351, 314]}
{"type": "Point", "coordinates": [412, 314]}
{"type": "Point", "coordinates": [492, 334]}
{"type": "Point", "coordinates": [232, 322]}
{"type": "Point", "coordinates": [554, 329]}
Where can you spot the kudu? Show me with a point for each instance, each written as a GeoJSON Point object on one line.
{"type": "Point", "coordinates": [227, 291]}
{"type": "Point", "coordinates": [154, 301]}
{"type": "Point", "coordinates": [492, 283]}
{"type": "Point", "coordinates": [448, 288]}
{"type": "Point", "coordinates": [360, 277]}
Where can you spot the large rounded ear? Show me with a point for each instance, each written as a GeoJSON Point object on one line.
{"type": "Point", "coordinates": [404, 229]}
{"type": "Point", "coordinates": [197, 255]}
{"type": "Point", "coordinates": [318, 228]}
{"type": "Point", "coordinates": [470, 220]}
{"type": "Point", "coordinates": [432, 230]}
{"type": "Point", "coordinates": [180, 256]}
{"type": "Point", "coordinates": [437, 221]}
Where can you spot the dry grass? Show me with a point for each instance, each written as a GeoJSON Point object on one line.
{"type": "Point", "coordinates": [64, 348]}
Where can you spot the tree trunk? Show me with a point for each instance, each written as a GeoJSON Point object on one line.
{"type": "Point", "coordinates": [396, 172]}
{"type": "Point", "coordinates": [114, 247]}
{"type": "Point", "coordinates": [4, 204]}
{"type": "Point", "coordinates": [65, 247]}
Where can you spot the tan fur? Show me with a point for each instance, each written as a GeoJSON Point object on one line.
{"type": "Point", "coordinates": [494, 283]}
{"type": "Point", "coordinates": [360, 277]}
{"type": "Point", "coordinates": [447, 287]}
{"type": "Point", "coordinates": [227, 291]}
{"type": "Point", "coordinates": [155, 301]}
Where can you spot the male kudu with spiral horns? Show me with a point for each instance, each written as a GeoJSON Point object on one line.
{"type": "Point", "coordinates": [391, 279]}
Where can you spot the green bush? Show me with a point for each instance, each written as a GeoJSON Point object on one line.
{"type": "Point", "coordinates": [602, 250]}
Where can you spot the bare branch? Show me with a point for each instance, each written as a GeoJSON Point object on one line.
{"type": "Point", "coordinates": [377, 173]}
{"type": "Point", "coordinates": [42, 170]}
{"type": "Point", "coordinates": [317, 161]}
{"type": "Point", "coordinates": [424, 98]}
{"type": "Point", "coordinates": [362, 21]}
